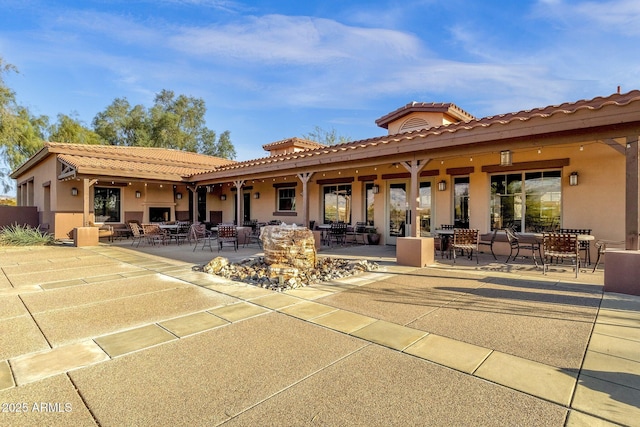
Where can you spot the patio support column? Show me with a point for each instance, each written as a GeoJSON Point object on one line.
{"type": "Point", "coordinates": [304, 178]}
{"type": "Point", "coordinates": [414, 166]}
{"type": "Point", "coordinates": [194, 203]}
{"type": "Point", "coordinates": [632, 197]}
{"type": "Point", "coordinates": [239, 199]}
{"type": "Point", "coordinates": [87, 183]}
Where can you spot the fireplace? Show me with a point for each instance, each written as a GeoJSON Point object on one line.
{"type": "Point", "coordinates": [159, 214]}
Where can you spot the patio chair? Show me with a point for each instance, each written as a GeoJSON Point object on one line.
{"type": "Point", "coordinates": [338, 233]}
{"type": "Point", "coordinates": [465, 239]}
{"type": "Point", "coordinates": [253, 237]}
{"type": "Point", "coordinates": [136, 232]}
{"type": "Point", "coordinates": [560, 246]}
{"type": "Point", "coordinates": [584, 245]}
{"type": "Point", "coordinates": [154, 234]}
{"type": "Point", "coordinates": [601, 246]}
{"type": "Point", "coordinates": [181, 232]}
{"type": "Point", "coordinates": [199, 233]}
{"type": "Point", "coordinates": [227, 235]}
{"type": "Point", "coordinates": [359, 232]}
{"type": "Point", "coordinates": [490, 242]}
{"type": "Point", "coordinates": [516, 243]}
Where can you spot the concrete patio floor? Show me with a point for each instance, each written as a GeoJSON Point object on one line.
{"type": "Point", "coordinates": [119, 335]}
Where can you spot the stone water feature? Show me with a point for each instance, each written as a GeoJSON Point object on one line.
{"type": "Point", "coordinates": [290, 261]}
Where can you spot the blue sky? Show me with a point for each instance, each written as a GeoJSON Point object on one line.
{"type": "Point", "coordinates": [270, 70]}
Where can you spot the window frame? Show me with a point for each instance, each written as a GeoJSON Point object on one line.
{"type": "Point", "coordinates": [280, 198]}
{"type": "Point", "coordinates": [348, 205]}
{"type": "Point", "coordinates": [117, 190]}
{"type": "Point", "coordinates": [526, 222]}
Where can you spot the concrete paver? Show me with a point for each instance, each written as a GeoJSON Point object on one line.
{"type": "Point", "coordinates": [238, 311]}
{"type": "Point", "coordinates": [389, 334]}
{"type": "Point", "coordinates": [307, 310]}
{"type": "Point", "coordinates": [192, 324]}
{"type": "Point", "coordinates": [452, 353]}
{"type": "Point", "coordinates": [533, 378]}
{"type": "Point", "coordinates": [135, 339]}
{"type": "Point", "coordinates": [35, 366]}
{"type": "Point", "coordinates": [344, 321]}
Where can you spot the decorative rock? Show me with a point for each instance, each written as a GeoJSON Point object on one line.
{"type": "Point", "coordinates": [289, 245]}
{"type": "Point", "coordinates": [281, 277]}
{"type": "Point", "coordinates": [216, 265]}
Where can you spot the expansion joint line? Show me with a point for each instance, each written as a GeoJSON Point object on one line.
{"type": "Point", "coordinates": [295, 383]}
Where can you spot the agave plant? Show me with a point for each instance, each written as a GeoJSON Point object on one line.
{"type": "Point", "coordinates": [23, 235]}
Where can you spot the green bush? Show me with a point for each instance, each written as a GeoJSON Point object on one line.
{"type": "Point", "coordinates": [23, 235]}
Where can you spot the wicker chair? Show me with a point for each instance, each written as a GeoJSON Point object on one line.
{"type": "Point", "coordinates": [465, 239]}
{"type": "Point", "coordinates": [154, 234]}
{"type": "Point", "coordinates": [560, 246]}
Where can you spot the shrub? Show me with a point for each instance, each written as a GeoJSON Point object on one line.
{"type": "Point", "coordinates": [23, 235]}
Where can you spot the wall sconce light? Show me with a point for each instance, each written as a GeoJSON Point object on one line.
{"type": "Point", "coordinates": [138, 194]}
{"type": "Point", "coordinates": [375, 189]}
{"type": "Point", "coordinates": [442, 185]}
{"type": "Point", "coordinates": [74, 191]}
{"type": "Point", "coordinates": [505, 158]}
{"type": "Point", "coordinates": [178, 196]}
{"type": "Point", "coordinates": [573, 178]}
{"type": "Point", "coordinates": [256, 195]}
{"type": "Point", "coordinates": [223, 197]}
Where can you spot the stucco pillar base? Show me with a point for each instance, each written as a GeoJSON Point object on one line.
{"type": "Point", "coordinates": [415, 251]}
{"type": "Point", "coordinates": [85, 236]}
{"type": "Point", "coordinates": [622, 270]}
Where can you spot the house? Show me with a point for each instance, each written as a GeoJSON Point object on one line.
{"type": "Point", "coordinates": [573, 165]}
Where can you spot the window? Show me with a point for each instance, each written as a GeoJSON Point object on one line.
{"type": "Point", "coordinates": [425, 208]}
{"type": "Point", "coordinates": [526, 201]}
{"type": "Point", "coordinates": [368, 208]}
{"type": "Point", "coordinates": [337, 203]}
{"type": "Point", "coordinates": [106, 204]}
{"type": "Point", "coordinates": [286, 199]}
{"type": "Point", "coordinates": [461, 202]}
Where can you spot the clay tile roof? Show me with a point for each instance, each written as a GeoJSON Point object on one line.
{"type": "Point", "coordinates": [433, 107]}
{"type": "Point", "coordinates": [293, 142]}
{"type": "Point", "coordinates": [471, 125]}
{"type": "Point", "coordinates": [143, 162]}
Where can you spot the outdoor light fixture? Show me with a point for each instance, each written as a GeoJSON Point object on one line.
{"type": "Point", "coordinates": [256, 195]}
{"type": "Point", "coordinates": [178, 196]}
{"type": "Point", "coordinates": [442, 185]}
{"type": "Point", "coordinates": [375, 189]}
{"type": "Point", "coordinates": [573, 178]}
{"type": "Point", "coordinates": [74, 191]}
{"type": "Point", "coordinates": [505, 158]}
{"type": "Point", "coordinates": [223, 197]}
{"type": "Point", "coordinates": [138, 194]}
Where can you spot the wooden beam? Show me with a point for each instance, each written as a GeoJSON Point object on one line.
{"type": "Point", "coordinates": [615, 145]}
{"type": "Point", "coordinates": [632, 194]}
